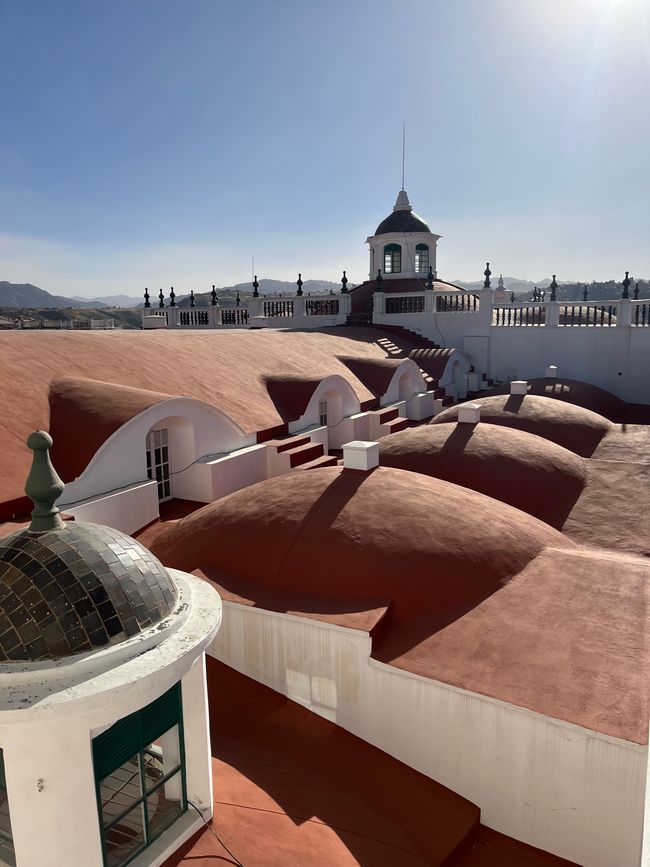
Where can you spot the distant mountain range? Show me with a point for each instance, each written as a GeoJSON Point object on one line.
{"type": "Point", "coordinates": [512, 284]}
{"type": "Point", "coordinates": [26, 295]}
{"type": "Point", "coordinates": [112, 300]}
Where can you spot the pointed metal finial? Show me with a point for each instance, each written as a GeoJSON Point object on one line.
{"type": "Point", "coordinates": [487, 273]}
{"type": "Point", "coordinates": [344, 284]}
{"type": "Point", "coordinates": [585, 294]}
{"type": "Point", "coordinates": [553, 289]}
{"type": "Point", "coordinates": [299, 284]}
{"type": "Point", "coordinates": [213, 295]}
{"type": "Point", "coordinates": [172, 297]}
{"type": "Point", "coordinates": [512, 297]}
{"type": "Point", "coordinates": [626, 285]}
{"type": "Point", "coordinates": [146, 297]}
{"type": "Point", "coordinates": [238, 299]}
{"type": "Point", "coordinates": [636, 291]}
{"type": "Point", "coordinates": [379, 282]}
{"type": "Point", "coordinates": [43, 486]}
{"type": "Point", "coordinates": [535, 294]}
{"type": "Point", "coordinates": [256, 288]}
{"type": "Point", "coordinates": [430, 278]}
{"type": "Point", "coordinates": [192, 299]}
{"type": "Point", "coordinates": [161, 302]}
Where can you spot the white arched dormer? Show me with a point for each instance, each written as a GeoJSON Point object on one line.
{"type": "Point", "coordinates": [403, 244]}
{"type": "Point", "coordinates": [406, 382]}
{"type": "Point", "coordinates": [454, 377]}
{"type": "Point", "coordinates": [194, 430]}
{"type": "Point", "coordinates": [333, 400]}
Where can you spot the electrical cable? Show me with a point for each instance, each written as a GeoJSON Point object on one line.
{"type": "Point", "coordinates": [215, 835]}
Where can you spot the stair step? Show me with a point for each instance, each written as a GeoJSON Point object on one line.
{"type": "Point", "coordinates": [284, 445]}
{"type": "Point", "coordinates": [323, 461]}
{"type": "Point", "coordinates": [386, 415]}
{"type": "Point", "coordinates": [304, 453]}
{"type": "Point", "coordinates": [397, 424]}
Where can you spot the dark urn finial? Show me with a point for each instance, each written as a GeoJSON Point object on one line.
{"type": "Point", "coordinates": [172, 297]}
{"type": "Point", "coordinates": [430, 278]}
{"type": "Point", "coordinates": [535, 294]}
{"type": "Point", "coordinates": [146, 297]}
{"type": "Point", "coordinates": [161, 302]}
{"type": "Point", "coordinates": [636, 291]}
{"type": "Point", "coordinates": [238, 299]}
{"type": "Point", "coordinates": [487, 273]}
{"type": "Point", "coordinates": [256, 288]}
{"type": "Point", "coordinates": [43, 486]}
{"type": "Point", "coordinates": [554, 289]}
{"type": "Point", "coordinates": [299, 284]}
{"type": "Point", "coordinates": [192, 299]}
{"type": "Point", "coordinates": [213, 295]}
{"type": "Point", "coordinates": [512, 297]}
{"type": "Point", "coordinates": [626, 285]}
{"type": "Point", "coordinates": [379, 282]}
{"type": "Point", "coordinates": [585, 294]}
{"type": "Point", "coordinates": [344, 284]}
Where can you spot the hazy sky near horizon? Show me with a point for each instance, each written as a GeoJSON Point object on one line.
{"type": "Point", "coordinates": [166, 142]}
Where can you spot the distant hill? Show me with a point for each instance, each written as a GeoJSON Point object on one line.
{"type": "Point", "coordinates": [512, 284]}
{"type": "Point", "coordinates": [26, 295]}
{"type": "Point", "coordinates": [113, 300]}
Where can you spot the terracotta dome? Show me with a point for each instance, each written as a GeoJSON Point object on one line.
{"type": "Point", "coordinates": [521, 469]}
{"type": "Point", "coordinates": [576, 392]}
{"type": "Point", "coordinates": [572, 427]}
{"type": "Point", "coordinates": [426, 546]}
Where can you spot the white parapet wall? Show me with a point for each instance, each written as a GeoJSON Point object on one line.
{"type": "Point", "coordinates": [563, 788]}
{"type": "Point", "coordinates": [127, 510]}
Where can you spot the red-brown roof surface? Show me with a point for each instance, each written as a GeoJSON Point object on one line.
{"type": "Point", "coordinates": [294, 790]}
{"type": "Point", "coordinates": [479, 595]}
{"type": "Point", "coordinates": [528, 472]}
{"type": "Point", "coordinates": [575, 428]}
{"type": "Point", "coordinates": [224, 368]}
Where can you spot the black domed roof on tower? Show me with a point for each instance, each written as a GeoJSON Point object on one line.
{"type": "Point", "coordinates": [69, 588]}
{"type": "Point", "coordinates": [402, 219]}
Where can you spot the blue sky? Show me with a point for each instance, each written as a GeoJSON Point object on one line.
{"type": "Point", "coordinates": [159, 142]}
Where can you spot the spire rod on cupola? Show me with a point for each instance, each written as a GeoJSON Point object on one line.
{"type": "Point", "coordinates": [403, 149]}
{"type": "Point", "coordinates": [43, 485]}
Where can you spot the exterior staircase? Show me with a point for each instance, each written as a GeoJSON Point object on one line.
{"type": "Point", "coordinates": [297, 453]}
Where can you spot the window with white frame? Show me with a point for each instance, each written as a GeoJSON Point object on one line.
{"type": "Point", "coordinates": [421, 259]}
{"type": "Point", "coordinates": [392, 259]}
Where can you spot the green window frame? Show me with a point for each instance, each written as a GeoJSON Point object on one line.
{"type": "Point", "coordinates": [421, 259]}
{"type": "Point", "coordinates": [392, 259]}
{"type": "Point", "coordinates": [134, 776]}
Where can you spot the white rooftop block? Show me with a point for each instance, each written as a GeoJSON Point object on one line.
{"type": "Point", "coordinates": [519, 386]}
{"type": "Point", "coordinates": [551, 370]}
{"type": "Point", "coordinates": [360, 455]}
{"type": "Point", "coordinates": [469, 413]}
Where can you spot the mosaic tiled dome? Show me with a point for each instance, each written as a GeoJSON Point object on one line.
{"type": "Point", "coordinates": [68, 588]}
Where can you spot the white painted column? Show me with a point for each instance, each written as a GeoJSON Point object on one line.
{"type": "Point", "coordinates": [552, 314]}
{"type": "Point", "coordinates": [196, 727]}
{"type": "Point", "coordinates": [624, 313]}
{"type": "Point", "coordinates": [51, 793]}
{"type": "Point", "coordinates": [429, 301]}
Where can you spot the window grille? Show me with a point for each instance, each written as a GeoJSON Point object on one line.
{"type": "Point", "coordinates": [139, 767]}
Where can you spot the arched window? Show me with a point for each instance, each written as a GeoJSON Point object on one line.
{"type": "Point", "coordinates": [392, 259]}
{"type": "Point", "coordinates": [421, 259]}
